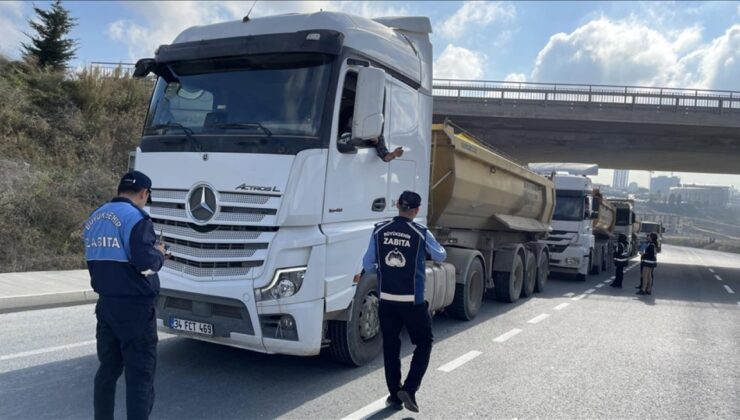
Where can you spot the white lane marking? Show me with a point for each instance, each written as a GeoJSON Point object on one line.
{"type": "Point", "coordinates": [579, 297]}
{"type": "Point", "coordinates": [538, 318]}
{"type": "Point", "coordinates": [569, 294]}
{"type": "Point", "coordinates": [589, 291]}
{"type": "Point", "coordinates": [564, 304]}
{"type": "Point", "coordinates": [608, 281]}
{"type": "Point", "coordinates": [367, 410]}
{"type": "Point", "coordinates": [718, 277]}
{"type": "Point", "coordinates": [600, 285]}
{"type": "Point", "coordinates": [611, 278]}
{"type": "Point", "coordinates": [507, 335]}
{"type": "Point", "coordinates": [46, 350]}
{"type": "Point", "coordinates": [711, 270]}
{"type": "Point", "coordinates": [738, 304]}
{"type": "Point", "coordinates": [465, 358]}
{"type": "Point", "coordinates": [729, 290]}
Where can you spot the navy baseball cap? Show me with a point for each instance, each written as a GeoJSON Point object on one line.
{"type": "Point", "coordinates": [134, 181]}
{"type": "Point", "coordinates": [409, 200]}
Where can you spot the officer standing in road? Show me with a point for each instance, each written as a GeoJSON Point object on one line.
{"type": "Point", "coordinates": [123, 259]}
{"type": "Point", "coordinates": [398, 249]}
{"type": "Point", "coordinates": [648, 263]}
{"type": "Point", "coordinates": [620, 260]}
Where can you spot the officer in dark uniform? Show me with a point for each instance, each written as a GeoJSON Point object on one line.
{"type": "Point", "coordinates": [398, 248]}
{"type": "Point", "coordinates": [123, 259]}
{"type": "Point", "coordinates": [620, 260]}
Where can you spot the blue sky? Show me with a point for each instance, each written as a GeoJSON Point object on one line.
{"type": "Point", "coordinates": [681, 44]}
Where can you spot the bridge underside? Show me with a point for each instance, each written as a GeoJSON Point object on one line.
{"type": "Point", "coordinates": [611, 138]}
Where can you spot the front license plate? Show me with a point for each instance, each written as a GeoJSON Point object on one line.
{"type": "Point", "coordinates": [191, 326]}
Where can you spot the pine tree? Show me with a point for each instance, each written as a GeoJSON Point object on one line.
{"type": "Point", "coordinates": [50, 48]}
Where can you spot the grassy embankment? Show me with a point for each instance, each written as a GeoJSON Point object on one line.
{"type": "Point", "coordinates": [64, 143]}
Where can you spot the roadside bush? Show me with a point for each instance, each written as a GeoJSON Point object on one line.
{"type": "Point", "coordinates": [64, 143]}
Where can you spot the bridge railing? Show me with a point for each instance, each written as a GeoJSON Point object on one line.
{"type": "Point", "coordinates": [560, 93]}
{"type": "Point", "coordinates": [556, 93]}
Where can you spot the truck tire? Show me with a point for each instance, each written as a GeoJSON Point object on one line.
{"type": "Point", "coordinates": [543, 271]}
{"type": "Point", "coordinates": [358, 341]}
{"type": "Point", "coordinates": [596, 269]}
{"type": "Point", "coordinates": [530, 277]}
{"type": "Point", "coordinates": [582, 277]}
{"type": "Point", "coordinates": [469, 295]}
{"type": "Point", "coordinates": [508, 284]}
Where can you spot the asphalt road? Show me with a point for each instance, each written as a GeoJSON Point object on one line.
{"type": "Point", "coordinates": [579, 350]}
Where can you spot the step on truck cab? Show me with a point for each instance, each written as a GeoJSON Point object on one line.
{"type": "Point", "coordinates": [260, 143]}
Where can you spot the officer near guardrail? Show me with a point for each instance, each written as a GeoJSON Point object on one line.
{"type": "Point", "coordinates": [620, 260]}
{"type": "Point", "coordinates": [123, 259]}
{"type": "Point", "coordinates": [398, 248]}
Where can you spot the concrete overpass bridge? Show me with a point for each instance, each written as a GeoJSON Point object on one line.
{"type": "Point", "coordinates": [621, 127]}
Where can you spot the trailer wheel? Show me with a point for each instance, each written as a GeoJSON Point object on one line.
{"type": "Point", "coordinates": [508, 285]}
{"type": "Point", "coordinates": [530, 277]}
{"type": "Point", "coordinates": [543, 271]}
{"type": "Point", "coordinates": [469, 295]}
{"type": "Point", "coordinates": [358, 341]}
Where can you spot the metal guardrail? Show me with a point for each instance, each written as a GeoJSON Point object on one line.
{"type": "Point", "coordinates": [630, 96]}
{"type": "Point", "coordinates": [677, 99]}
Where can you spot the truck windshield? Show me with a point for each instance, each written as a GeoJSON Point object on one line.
{"type": "Point", "coordinates": [267, 97]}
{"type": "Point", "coordinates": [569, 206]}
{"type": "Point", "coordinates": [623, 217]}
{"type": "Point", "coordinates": [649, 227]}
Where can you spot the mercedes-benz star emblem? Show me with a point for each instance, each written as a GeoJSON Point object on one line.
{"type": "Point", "coordinates": [202, 203]}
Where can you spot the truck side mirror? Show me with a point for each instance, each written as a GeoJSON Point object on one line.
{"type": "Point", "coordinates": [144, 67]}
{"type": "Point", "coordinates": [367, 121]}
{"type": "Point", "coordinates": [595, 214]}
{"type": "Point", "coordinates": [595, 204]}
{"type": "Point", "coordinates": [632, 218]}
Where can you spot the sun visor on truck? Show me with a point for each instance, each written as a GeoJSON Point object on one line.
{"type": "Point", "coordinates": [315, 41]}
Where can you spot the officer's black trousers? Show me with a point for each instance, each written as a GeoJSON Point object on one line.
{"type": "Point", "coordinates": [127, 340]}
{"type": "Point", "coordinates": [618, 275]}
{"type": "Point", "coordinates": [393, 317]}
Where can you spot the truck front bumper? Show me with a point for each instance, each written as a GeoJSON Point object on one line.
{"type": "Point", "coordinates": [294, 329]}
{"type": "Point", "coordinates": [571, 261]}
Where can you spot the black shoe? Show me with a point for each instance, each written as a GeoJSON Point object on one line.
{"type": "Point", "coordinates": [394, 402]}
{"type": "Point", "coordinates": [638, 287]}
{"type": "Point", "coordinates": [649, 293]}
{"type": "Point", "coordinates": [408, 401]}
{"type": "Point", "coordinates": [640, 292]}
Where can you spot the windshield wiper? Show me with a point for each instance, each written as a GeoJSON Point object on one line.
{"type": "Point", "coordinates": [241, 126]}
{"type": "Point", "coordinates": [188, 133]}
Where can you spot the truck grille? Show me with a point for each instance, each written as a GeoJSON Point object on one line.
{"type": "Point", "coordinates": [556, 248]}
{"type": "Point", "coordinates": [230, 246]}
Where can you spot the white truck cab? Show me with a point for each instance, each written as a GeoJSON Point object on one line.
{"type": "Point", "coordinates": [571, 241]}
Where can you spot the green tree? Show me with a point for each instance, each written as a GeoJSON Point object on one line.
{"type": "Point", "coordinates": [50, 48]}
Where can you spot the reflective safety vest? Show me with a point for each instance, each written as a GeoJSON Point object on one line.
{"type": "Point", "coordinates": [400, 249]}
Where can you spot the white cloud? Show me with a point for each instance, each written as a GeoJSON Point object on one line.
{"type": "Point", "coordinates": [459, 63]}
{"type": "Point", "coordinates": [515, 77]}
{"type": "Point", "coordinates": [631, 53]}
{"type": "Point", "coordinates": [11, 32]}
{"type": "Point", "coordinates": [478, 13]}
{"type": "Point", "coordinates": [603, 51]}
{"type": "Point", "coordinates": [162, 21]}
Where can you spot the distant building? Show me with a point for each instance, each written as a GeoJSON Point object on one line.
{"type": "Point", "coordinates": [621, 179]}
{"type": "Point", "coordinates": [662, 184]}
{"type": "Point", "coordinates": [633, 188]}
{"type": "Point", "coordinates": [702, 195]}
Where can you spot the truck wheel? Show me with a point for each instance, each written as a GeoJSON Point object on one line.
{"type": "Point", "coordinates": [530, 277]}
{"type": "Point", "coordinates": [508, 285]}
{"type": "Point", "coordinates": [582, 277]}
{"type": "Point", "coordinates": [358, 341]}
{"type": "Point", "coordinates": [468, 296]}
{"type": "Point", "coordinates": [543, 271]}
{"type": "Point", "coordinates": [596, 269]}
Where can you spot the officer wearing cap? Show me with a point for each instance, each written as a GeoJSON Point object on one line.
{"type": "Point", "coordinates": [123, 259]}
{"type": "Point", "coordinates": [397, 251]}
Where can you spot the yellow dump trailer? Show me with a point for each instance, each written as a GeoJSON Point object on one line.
{"type": "Point", "coordinates": [490, 213]}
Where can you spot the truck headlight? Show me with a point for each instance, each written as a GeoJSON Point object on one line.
{"type": "Point", "coordinates": [285, 283]}
{"type": "Point", "coordinates": [573, 261]}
